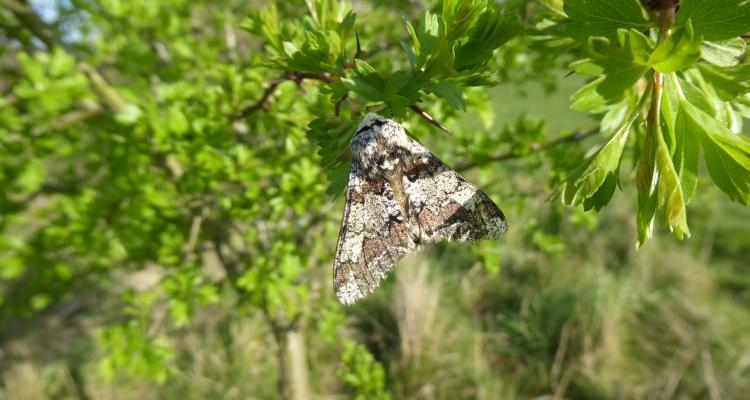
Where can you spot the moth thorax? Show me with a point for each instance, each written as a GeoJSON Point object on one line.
{"type": "Point", "coordinates": [394, 136]}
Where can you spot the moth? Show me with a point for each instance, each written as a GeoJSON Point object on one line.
{"type": "Point", "coordinates": [401, 197]}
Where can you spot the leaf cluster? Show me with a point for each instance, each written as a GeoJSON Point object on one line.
{"type": "Point", "coordinates": [444, 53]}
{"type": "Point", "coordinates": [670, 82]}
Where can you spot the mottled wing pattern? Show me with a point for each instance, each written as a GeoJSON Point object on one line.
{"type": "Point", "coordinates": [372, 238]}
{"type": "Point", "coordinates": [399, 196]}
{"type": "Point", "coordinates": [445, 205]}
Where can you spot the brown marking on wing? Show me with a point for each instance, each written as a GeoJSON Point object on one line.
{"type": "Point", "coordinates": [397, 236]}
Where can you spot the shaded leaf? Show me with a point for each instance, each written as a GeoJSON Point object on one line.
{"type": "Point", "coordinates": [716, 19]}
{"type": "Point", "coordinates": [603, 18]}
{"type": "Point", "coordinates": [724, 53]}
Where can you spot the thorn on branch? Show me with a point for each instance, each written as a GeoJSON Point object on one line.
{"type": "Point", "coordinates": [422, 113]}
{"type": "Point", "coordinates": [339, 102]}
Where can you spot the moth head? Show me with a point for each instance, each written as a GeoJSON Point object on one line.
{"type": "Point", "coordinates": [379, 142]}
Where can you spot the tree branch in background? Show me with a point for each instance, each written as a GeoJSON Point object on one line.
{"type": "Point", "coordinates": [261, 103]}
{"type": "Point", "coordinates": [532, 148]}
{"type": "Point", "coordinates": [296, 77]}
{"type": "Point", "coordinates": [87, 109]}
{"type": "Point", "coordinates": [30, 20]}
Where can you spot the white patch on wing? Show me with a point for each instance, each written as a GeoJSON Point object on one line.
{"type": "Point", "coordinates": [352, 247]}
{"type": "Point", "coordinates": [464, 195]}
{"type": "Point", "coordinates": [349, 292]}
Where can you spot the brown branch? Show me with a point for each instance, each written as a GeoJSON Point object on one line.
{"type": "Point", "coordinates": [296, 77]}
{"type": "Point", "coordinates": [261, 103]}
{"type": "Point", "coordinates": [532, 148]}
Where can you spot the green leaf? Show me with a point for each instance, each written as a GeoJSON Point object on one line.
{"type": "Point", "coordinates": [369, 75]}
{"type": "Point", "coordinates": [128, 115]}
{"type": "Point", "coordinates": [586, 66]}
{"type": "Point", "coordinates": [604, 194]}
{"type": "Point", "coordinates": [622, 66]}
{"type": "Point", "coordinates": [489, 32]}
{"type": "Point", "coordinates": [429, 38]}
{"type": "Point", "coordinates": [450, 92]}
{"type": "Point", "coordinates": [685, 158]}
{"type": "Point", "coordinates": [361, 87]}
{"type": "Point", "coordinates": [669, 191]}
{"type": "Point", "coordinates": [348, 22]}
{"type": "Point", "coordinates": [396, 82]}
{"type": "Point", "coordinates": [409, 54]}
{"type": "Point", "coordinates": [729, 83]}
{"type": "Point", "coordinates": [716, 19]}
{"type": "Point", "coordinates": [555, 6]}
{"type": "Point", "coordinates": [724, 53]}
{"type": "Point", "coordinates": [588, 97]}
{"type": "Point", "coordinates": [176, 120]}
{"type": "Point", "coordinates": [679, 51]}
{"type": "Point", "coordinates": [603, 18]}
{"type": "Point", "coordinates": [727, 154]}
{"type": "Point", "coordinates": [587, 179]}
{"type": "Point", "coordinates": [414, 38]}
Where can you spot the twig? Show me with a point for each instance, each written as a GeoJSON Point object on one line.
{"type": "Point", "coordinates": [710, 375]}
{"type": "Point", "coordinates": [30, 20]}
{"type": "Point", "coordinates": [532, 148]}
{"type": "Point", "coordinates": [89, 110]}
{"type": "Point", "coordinates": [195, 229]}
{"type": "Point", "coordinates": [339, 102]}
{"type": "Point", "coordinates": [261, 103]}
{"type": "Point", "coordinates": [422, 113]}
{"type": "Point", "coordinates": [296, 77]}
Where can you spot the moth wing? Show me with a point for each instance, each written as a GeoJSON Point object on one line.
{"type": "Point", "coordinates": [446, 206]}
{"type": "Point", "coordinates": [373, 237]}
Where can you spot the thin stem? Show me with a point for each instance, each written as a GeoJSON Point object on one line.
{"type": "Point", "coordinates": [296, 77]}
{"type": "Point", "coordinates": [666, 20]}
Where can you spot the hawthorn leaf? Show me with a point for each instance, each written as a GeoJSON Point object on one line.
{"type": "Point", "coordinates": [586, 180]}
{"type": "Point", "coordinates": [603, 18]}
{"type": "Point", "coordinates": [716, 19]}
{"type": "Point", "coordinates": [679, 51]}
{"type": "Point", "coordinates": [685, 157]}
{"type": "Point", "coordinates": [723, 53]}
{"type": "Point", "coordinates": [669, 191]}
{"type": "Point", "coordinates": [729, 83]}
{"type": "Point", "coordinates": [450, 92]}
{"type": "Point", "coordinates": [727, 154]}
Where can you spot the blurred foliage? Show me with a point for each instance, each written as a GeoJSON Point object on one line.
{"type": "Point", "coordinates": [172, 174]}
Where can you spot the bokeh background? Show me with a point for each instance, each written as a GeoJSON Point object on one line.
{"type": "Point", "coordinates": [160, 240]}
